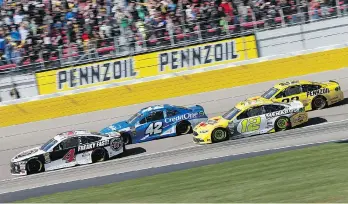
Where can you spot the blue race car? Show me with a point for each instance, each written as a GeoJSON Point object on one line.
{"type": "Point", "coordinates": [158, 121]}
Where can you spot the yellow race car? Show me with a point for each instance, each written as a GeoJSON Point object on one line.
{"type": "Point", "coordinates": [313, 95]}
{"type": "Point", "coordinates": [251, 117]}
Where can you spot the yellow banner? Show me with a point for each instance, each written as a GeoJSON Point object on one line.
{"type": "Point", "coordinates": [147, 65]}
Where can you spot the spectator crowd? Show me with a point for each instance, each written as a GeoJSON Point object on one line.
{"type": "Point", "coordinates": [33, 31]}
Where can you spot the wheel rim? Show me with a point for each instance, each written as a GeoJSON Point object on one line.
{"type": "Point", "coordinates": [219, 134]}
{"type": "Point", "coordinates": [282, 123]}
{"type": "Point", "coordinates": [319, 103]}
{"type": "Point", "coordinates": [34, 166]}
{"type": "Point", "coordinates": [100, 155]}
{"type": "Point", "coordinates": [184, 129]}
{"type": "Point", "coordinates": [126, 139]}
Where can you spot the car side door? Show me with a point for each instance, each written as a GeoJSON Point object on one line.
{"type": "Point", "coordinates": [64, 154]}
{"type": "Point", "coordinates": [155, 123]}
{"type": "Point", "coordinates": [291, 93]}
{"type": "Point", "coordinates": [251, 121]}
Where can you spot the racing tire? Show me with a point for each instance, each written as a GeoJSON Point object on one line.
{"type": "Point", "coordinates": [34, 166]}
{"type": "Point", "coordinates": [183, 128]}
{"type": "Point", "coordinates": [99, 155]}
{"type": "Point", "coordinates": [127, 139]}
{"type": "Point", "coordinates": [282, 123]}
{"type": "Point", "coordinates": [319, 102]}
{"type": "Point", "coordinates": [219, 135]}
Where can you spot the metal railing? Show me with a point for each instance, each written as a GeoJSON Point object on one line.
{"type": "Point", "coordinates": [150, 39]}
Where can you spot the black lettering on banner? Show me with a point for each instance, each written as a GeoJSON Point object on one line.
{"type": "Point", "coordinates": [125, 69]}
{"type": "Point", "coordinates": [174, 59]}
{"type": "Point", "coordinates": [117, 70]}
{"type": "Point", "coordinates": [218, 47]}
{"type": "Point", "coordinates": [287, 100]}
{"type": "Point", "coordinates": [106, 72]}
{"type": "Point", "coordinates": [95, 73]}
{"type": "Point", "coordinates": [90, 74]}
{"type": "Point", "coordinates": [234, 52]}
{"type": "Point", "coordinates": [62, 78]}
{"type": "Point", "coordinates": [72, 78]}
{"type": "Point", "coordinates": [207, 60]}
{"type": "Point", "coordinates": [185, 58]}
{"type": "Point", "coordinates": [132, 71]}
{"type": "Point", "coordinates": [84, 75]}
{"type": "Point", "coordinates": [318, 92]}
{"type": "Point", "coordinates": [196, 55]}
{"type": "Point", "coordinates": [163, 61]}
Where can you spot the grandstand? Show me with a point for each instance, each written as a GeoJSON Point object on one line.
{"type": "Point", "coordinates": [48, 34]}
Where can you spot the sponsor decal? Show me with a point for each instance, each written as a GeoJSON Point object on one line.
{"type": "Point", "coordinates": [318, 92]}
{"type": "Point", "coordinates": [26, 153]}
{"type": "Point", "coordinates": [86, 154]}
{"type": "Point", "coordinates": [281, 112]}
{"type": "Point", "coordinates": [116, 144]}
{"type": "Point", "coordinates": [93, 145]}
{"type": "Point", "coordinates": [47, 158]}
{"type": "Point", "coordinates": [186, 116]}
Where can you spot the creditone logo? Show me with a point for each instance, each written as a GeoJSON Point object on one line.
{"type": "Point", "coordinates": [186, 116]}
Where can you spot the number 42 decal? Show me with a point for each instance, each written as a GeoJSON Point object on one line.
{"type": "Point", "coordinates": [154, 129]}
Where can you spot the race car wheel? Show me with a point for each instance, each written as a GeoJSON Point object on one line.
{"type": "Point", "coordinates": [99, 155]}
{"type": "Point", "coordinates": [34, 166]}
{"type": "Point", "coordinates": [282, 123]}
{"type": "Point", "coordinates": [126, 139]}
{"type": "Point", "coordinates": [319, 102]}
{"type": "Point", "coordinates": [183, 128]}
{"type": "Point", "coordinates": [219, 135]}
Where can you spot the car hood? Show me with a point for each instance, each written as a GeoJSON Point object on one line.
{"type": "Point", "coordinates": [119, 126]}
{"type": "Point", "coordinates": [27, 154]}
{"type": "Point", "coordinates": [211, 123]}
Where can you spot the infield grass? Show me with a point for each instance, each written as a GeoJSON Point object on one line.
{"type": "Point", "coordinates": [315, 174]}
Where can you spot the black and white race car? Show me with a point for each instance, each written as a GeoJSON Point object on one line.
{"type": "Point", "coordinates": [68, 149]}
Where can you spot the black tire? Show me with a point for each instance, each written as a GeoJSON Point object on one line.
{"type": "Point", "coordinates": [99, 155]}
{"type": "Point", "coordinates": [282, 123]}
{"type": "Point", "coordinates": [219, 135]}
{"type": "Point", "coordinates": [319, 102]}
{"type": "Point", "coordinates": [127, 139]}
{"type": "Point", "coordinates": [35, 166]}
{"type": "Point", "coordinates": [183, 128]}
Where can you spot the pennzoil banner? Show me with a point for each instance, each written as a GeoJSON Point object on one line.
{"type": "Point", "coordinates": [146, 65]}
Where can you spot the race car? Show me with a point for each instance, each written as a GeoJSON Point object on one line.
{"type": "Point", "coordinates": [313, 95]}
{"type": "Point", "coordinates": [158, 121]}
{"type": "Point", "coordinates": [68, 149]}
{"type": "Point", "coordinates": [251, 117]}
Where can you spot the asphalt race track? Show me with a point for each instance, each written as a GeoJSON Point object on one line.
{"type": "Point", "coordinates": [324, 125]}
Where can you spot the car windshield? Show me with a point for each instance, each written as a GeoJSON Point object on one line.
{"type": "Point", "coordinates": [133, 118]}
{"type": "Point", "coordinates": [231, 113]}
{"type": "Point", "coordinates": [48, 144]}
{"type": "Point", "coordinates": [268, 94]}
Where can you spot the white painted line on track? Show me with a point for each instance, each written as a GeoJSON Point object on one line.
{"type": "Point", "coordinates": [175, 163]}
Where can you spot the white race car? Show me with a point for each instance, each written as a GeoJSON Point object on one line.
{"type": "Point", "coordinates": [68, 149]}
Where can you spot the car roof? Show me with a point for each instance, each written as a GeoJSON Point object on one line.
{"type": "Point", "coordinates": [285, 84]}
{"type": "Point", "coordinates": [155, 107]}
{"type": "Point", "coordinates": [253, 102]}
{"type": "Point", "coordinates": [75, 133]}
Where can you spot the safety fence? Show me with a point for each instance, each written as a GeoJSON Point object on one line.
{"type": "Point", "coordinates": [149, 40]}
